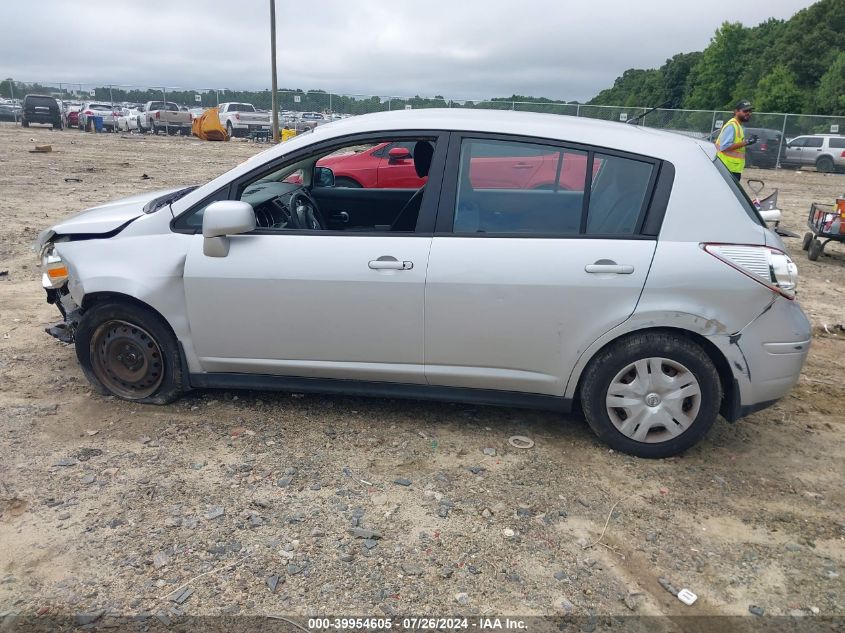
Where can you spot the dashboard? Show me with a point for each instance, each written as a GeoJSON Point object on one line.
{"type": "Point", "coordinates": [283, 206]}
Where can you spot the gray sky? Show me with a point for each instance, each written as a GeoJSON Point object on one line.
{"type": "Point", "coordinates": [458, 48]}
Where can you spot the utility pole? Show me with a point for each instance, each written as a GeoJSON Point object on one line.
{"type": "Point", "coordinates": [273, 70]}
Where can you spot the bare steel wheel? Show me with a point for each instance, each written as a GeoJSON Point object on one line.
{"type": "Point", "coordinates": [126, 359]}
{"type": "Point", "coordinates": [653, 400]}
{"type": "Point", "coordinates": [129, 351]}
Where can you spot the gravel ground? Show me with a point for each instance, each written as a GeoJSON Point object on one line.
{"type": "Point", "coordinates": [266, 503]}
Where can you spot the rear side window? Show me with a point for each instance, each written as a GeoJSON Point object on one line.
{"type": "Point", "coordinates": [519, 188]}
{"type": "Point", "coordinates": [618, 196]}
{"type": "Point", "coordinates": [813, 142]}
{"type": "Point", "coordinates": [838, 143]}
{"type": "Point", "coordinates": [511, 187]}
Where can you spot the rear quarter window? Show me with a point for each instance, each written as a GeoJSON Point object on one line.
{"type": "Point", "coordinates": [838, 143]}
{"type": "Point", "coordinates": [739, 193]}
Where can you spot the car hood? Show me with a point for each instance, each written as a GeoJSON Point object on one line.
{"type": "Point", "coordinates": [329, 161]}
{"type": "Point", "coordinates": [104, 218]}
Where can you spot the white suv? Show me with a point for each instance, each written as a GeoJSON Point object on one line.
{"type": "Point", "coordinates": [825, 152]}
{"type": "Point", "coordinates": [544, 261]}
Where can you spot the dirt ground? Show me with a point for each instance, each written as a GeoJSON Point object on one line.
{"type": "Point", "coordinates": [111, 507]}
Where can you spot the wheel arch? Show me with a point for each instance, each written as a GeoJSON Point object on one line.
{"type": "Point", "coordinates": [104, 296]}
{"type": "Point", "coordinates": [730, 405]}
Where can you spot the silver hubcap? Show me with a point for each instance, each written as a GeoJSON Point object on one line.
{"type": "Point", "coordinates": [653, 400]}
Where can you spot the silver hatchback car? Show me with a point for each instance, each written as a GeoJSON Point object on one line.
{"type": "Point", "coordinates": [487, 257]}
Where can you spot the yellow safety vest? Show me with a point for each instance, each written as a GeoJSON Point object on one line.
{"type": "Point", "coordinates": [734, 159]}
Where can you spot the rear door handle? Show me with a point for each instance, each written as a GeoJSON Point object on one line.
{"type": "Point", "coordinates": [387, 262]}
{"type": "Point", "coordinates": [611, 268]}
{"type": "Point", "coordinates": [522, 166]}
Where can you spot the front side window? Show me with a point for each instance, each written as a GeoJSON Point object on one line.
{"type": "Point", "coordinates": [370, 193]}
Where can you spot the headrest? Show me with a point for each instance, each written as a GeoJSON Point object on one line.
{"type": "Point", "coordinates": [423, 153]}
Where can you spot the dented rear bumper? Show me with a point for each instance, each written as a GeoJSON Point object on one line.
{"type": "Point", "coordinates": [766, 357]}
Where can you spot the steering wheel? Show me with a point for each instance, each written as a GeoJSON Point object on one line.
{"type": "Point", "coordinates": [305, 212]}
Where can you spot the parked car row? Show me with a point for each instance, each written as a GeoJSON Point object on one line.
{"type": "Point", "coordinates": [239, 119]}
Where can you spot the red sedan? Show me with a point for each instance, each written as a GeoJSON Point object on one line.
{"type": "Point", "coordinates": [391, 166]}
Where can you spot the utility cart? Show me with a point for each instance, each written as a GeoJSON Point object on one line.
{"type": "Point", "coordinates": [826, 223]}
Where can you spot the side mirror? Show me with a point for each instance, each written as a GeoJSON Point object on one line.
{"type": "Point", "coordinates": [224, 218]}
{"type": "Point", "coordinates": [398, 153]}
{"type": "Point", "coordinates": [323, 177]}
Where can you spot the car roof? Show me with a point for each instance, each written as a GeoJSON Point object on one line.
{"type": "Point", "coordinates": [612, 135]}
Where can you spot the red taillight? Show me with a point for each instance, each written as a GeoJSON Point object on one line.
{"type": "Point", "coordinates": [158, 114]}
{"type": "Point", "coordinates": [237, 117]}
{"type": "Point", "coordinates": [764, 147]}
{"type": "Point", "coordinates": [843, 154]}
{"type": "Point", "coordinates": [766, 265]}
{"type": "Point", "coordinates": [88, 113]}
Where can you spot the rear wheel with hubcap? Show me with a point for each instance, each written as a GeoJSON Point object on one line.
{"type": "Point", "coordinates": [127, 350]}
{"type": "Point", "coordinates": [652, 394]}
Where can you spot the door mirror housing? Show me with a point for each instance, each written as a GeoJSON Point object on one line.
{"type": "Point", "coordinates": [323, 177]}
{"type": "Point", "coordinates": [224, 218]}
{"type": "Point", "coordinates": [398, 153]}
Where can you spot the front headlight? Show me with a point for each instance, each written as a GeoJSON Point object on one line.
{"type": "Point", "coordinates": [54, 269]}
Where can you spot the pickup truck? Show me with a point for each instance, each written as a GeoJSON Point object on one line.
{"type": "Point", "coordinates": [160, 117]}
{"type": "Point", "coordinates": [240, 119]}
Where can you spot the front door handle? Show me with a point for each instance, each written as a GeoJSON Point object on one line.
{"type": "Point", "coordinates": [608, 266]}
{"type": "Point", "coordinates": [341, 216]}
{"type": "Point", "coordinates": [387, 262]}
{"type": "Point", "coordinates": [522, 166]}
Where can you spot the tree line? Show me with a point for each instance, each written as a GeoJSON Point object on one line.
{"type": "Point", "coordinates": [795, 66]}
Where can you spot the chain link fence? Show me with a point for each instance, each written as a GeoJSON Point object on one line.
{"type": "Point", "coordinates": [702, 124]}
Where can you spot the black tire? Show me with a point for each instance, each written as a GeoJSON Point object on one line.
{"type": "Point", "coordinates": [613, 359]}
{"type": "Point", "coordinates": [153, 128]}
{"type": "Point", "coordinates": [106, 327]}
{"type": "Point", "coordinates": [814, 250]}
{"type": "Point", "coordinates": [25, 123]}
{"type": "Point", "coordinates": [230, 131]}
{"type": "Point", "coordinates": [805, 243]}
{"type": "Point", "coordinates": [825, 165]}
{"type": "Point", "coordinates": [58, 126]}
{"type": "Point", "coordinates": [347, 182]}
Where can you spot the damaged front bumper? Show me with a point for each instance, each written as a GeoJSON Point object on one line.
{"type": "Point", "coordinates": [64, 330]}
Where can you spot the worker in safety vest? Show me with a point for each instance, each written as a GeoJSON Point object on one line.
{"type": "Point", "coordinates": [731, 142]}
